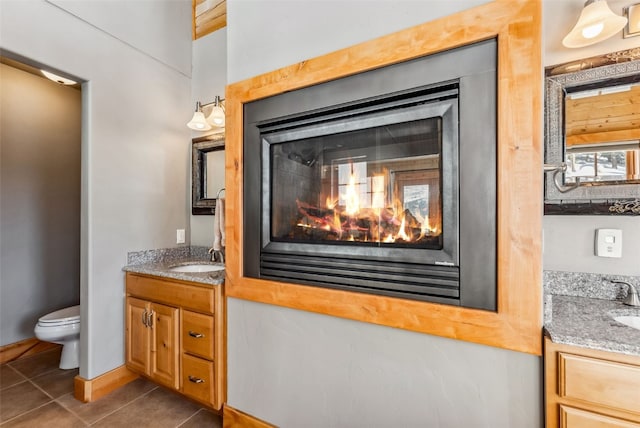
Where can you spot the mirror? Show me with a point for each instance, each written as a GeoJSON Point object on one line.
{"type": "Point", "coordinates": [592, 127]}
{"type": "Point", "coordinates": [207, 173]}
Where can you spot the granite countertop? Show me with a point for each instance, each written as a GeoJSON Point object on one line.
{"type": "Point", "coordinates": [588, 322]}
{"type": "Point", "coordinates": [159, 262]}
{"type": "Point", "coordinates": [163, 270]}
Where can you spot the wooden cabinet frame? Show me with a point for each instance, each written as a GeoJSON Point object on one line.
{"type": "Point", "coordinates": [517, 323]}
{"type": "Point", "coordinates": [597, 391]}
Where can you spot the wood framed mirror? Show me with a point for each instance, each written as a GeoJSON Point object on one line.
{"type": "Point", "coordinates": [207, 173]}
{"type": "Point", "coordinates": [592, 127]}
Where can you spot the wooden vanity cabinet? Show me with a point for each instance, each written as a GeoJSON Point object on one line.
{"type": "Point", "coordinates": [182, 347]}
{"type": "Point", "coordinates": [585, 388]}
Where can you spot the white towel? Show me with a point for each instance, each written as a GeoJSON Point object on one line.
{"type": "Point", "coordinates": [218, 226]}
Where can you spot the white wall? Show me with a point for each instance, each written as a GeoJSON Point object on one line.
{"type": "Point", "coordinates": [39, 200]}
{"type": "Point", "coordinates": [568, 244]}
{"type": "Point", "coordinates": [209, 77]}
{"type": "Point", "coordinates": [294, 368]}
{"type": "Point", "coordinates": [135, 145]}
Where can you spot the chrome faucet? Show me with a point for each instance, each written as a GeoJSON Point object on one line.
{"type": "Point", "coordinates": [633, 298]}
{"type": "Point", "coordinates": [216, 255]}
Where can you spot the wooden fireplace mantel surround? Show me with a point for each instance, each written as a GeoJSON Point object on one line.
{"type": "Point", "coordinates": [517, 324]}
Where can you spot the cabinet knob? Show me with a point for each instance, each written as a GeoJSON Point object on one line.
{"type": "Point", "coordinates": [196, 335]}
{"type": "Point", "coordinates": [195, 379]}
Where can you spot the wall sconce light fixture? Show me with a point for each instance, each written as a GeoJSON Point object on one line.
{"type": "Point", "coordinates": [215, 118]}
{"type": "Point", "coordinates": [596, 23]}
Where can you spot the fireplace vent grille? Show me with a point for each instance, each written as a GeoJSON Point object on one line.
{"type": "Point", "coordinates": [389, 278]}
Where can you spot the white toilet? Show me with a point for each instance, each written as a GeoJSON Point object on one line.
{"type": "Point", "coordinates": [62, 327]}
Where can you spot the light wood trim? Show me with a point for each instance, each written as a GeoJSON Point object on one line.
{"type": "Point", "coordinates": [197, 297]}
{"type": "Point", "coordinates": [234, 418]}
{"type": "Point", "coordinates": [517, 324]}
{"type": "Point", "coordinates": [24, 348]}
{"type": "Point", "coordinates": [552, 376]}
{"type": "Point", "coordinates": [88, 390]}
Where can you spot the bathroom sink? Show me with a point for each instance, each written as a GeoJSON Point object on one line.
{"type": "Point", "coordinates": [197, 268]}
{"type": "Point", "coordinates": [629, 320]}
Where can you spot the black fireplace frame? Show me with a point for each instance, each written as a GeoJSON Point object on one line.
{"type": "Point", "coordinates": [468, 276]}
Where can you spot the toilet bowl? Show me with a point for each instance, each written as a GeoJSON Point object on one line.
{"type": "Point", "coordinates": [62, 327]}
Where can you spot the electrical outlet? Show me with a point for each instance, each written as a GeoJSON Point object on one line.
{"type": "Point", "coordinates": [180, 236]}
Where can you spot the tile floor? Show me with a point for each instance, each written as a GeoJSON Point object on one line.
{"type": "Point", "coordinates": [34, 392]}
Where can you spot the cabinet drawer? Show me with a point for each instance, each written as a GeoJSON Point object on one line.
{"type": "Point", "coordinates": [197, 378]}
{"type": "Point", "coordinates": [197, 334]}
{"type": "Point", "coordinates": [600, 382]}
{"type": "Point", "coordinates": [172, 293]}
{"type": "Point", "coordinates": [576, 418]}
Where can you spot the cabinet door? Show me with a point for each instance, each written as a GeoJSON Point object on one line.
{"type": "Point", "coordinates": [137, 335]}
{"type": "Point", "coordinates": [164, 345]}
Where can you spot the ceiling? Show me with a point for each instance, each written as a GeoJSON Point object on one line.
{"type": "Point", "coordinates": [208, 16]}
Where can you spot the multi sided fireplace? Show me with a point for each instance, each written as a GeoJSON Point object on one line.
{"type": "Point", "coordinates": [382, 182]}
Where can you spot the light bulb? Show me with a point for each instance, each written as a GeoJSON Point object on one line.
{"type": "Point", "coordinates": [216, 117]}
{"type": "Point", "coordinates": [592, 30]}
{"type": "Point", "coordinates": [596, 23]}
{"type": "Point", "coordinates": [198, 122]}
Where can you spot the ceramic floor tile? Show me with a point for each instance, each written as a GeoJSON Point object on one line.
{"type": "Point", "coordinates": [38, 364]}
{"type": "Point", "coordinates": [9, 377]}
{"type": "Point", "coordinates": [49, 415]}
{"type": "Point", "coordinates": [160, 408]}
{"type": "Point", "coordinates": [91, 412]}
{"type": "Point", "coordinates": [20, 398]}
{"type": "Point", "coordinates": [57, 382]}
{"type": "Point", "coordinates": [204, 418]}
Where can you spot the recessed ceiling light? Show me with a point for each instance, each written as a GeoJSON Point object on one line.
{"type": "Point", "coordinates": [58, 79]}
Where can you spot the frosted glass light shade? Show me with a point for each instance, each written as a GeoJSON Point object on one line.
{"type": "Point", "coordinates": [198, 122]}
{"type": "Point", "coordinates": [596, 23]}
{"type": "Point", "coordinates": [216, 117]}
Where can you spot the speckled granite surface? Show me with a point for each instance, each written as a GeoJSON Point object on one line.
{"type": "Point", "coordinates": [580, 307]}
{"type": "Point", "coordinates": [592, 285]}
{"type": "Point", "coordinates": [159, 262]}
{"type": "Point", "coordinates": [167, 255]}
{"type": "Point", "coordinates": [589, 323]}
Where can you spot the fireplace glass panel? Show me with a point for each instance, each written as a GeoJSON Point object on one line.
{"type": "Point", "coordinates": [379, 186]}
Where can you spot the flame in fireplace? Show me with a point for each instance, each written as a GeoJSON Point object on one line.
{"type": "Point", "coordinates": [351, 197]}
{"type": "Point", "coordinates": [351, 219]}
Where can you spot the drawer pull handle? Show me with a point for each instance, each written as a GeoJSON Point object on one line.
{"type": "Point", "coordinates": [196, 335]}
{"type": "Point", "coordinates": [195, 379]}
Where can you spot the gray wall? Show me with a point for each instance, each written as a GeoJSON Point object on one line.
{"type": "Point", "coordinates": [294, 368]}
{"type": "Point", "coordinates": [568, 240]}
{"type": "Point", "coordinates": [208, 79]}
{"type": "Point", "coordinates": [39, 200]}
{"type": "Point", "coordinates": [135, 60]}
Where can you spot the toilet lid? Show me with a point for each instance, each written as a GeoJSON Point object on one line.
{"type": "Point", "coordinates": [66, 316]}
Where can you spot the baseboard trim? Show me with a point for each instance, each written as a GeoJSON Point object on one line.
{"type": "Point", "coordinates": [234, 418]}
{"type": "Point", "coordinates": [87, 390]}
{"type": "Point", "coordinates": [24, 348]}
